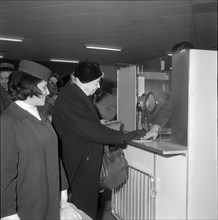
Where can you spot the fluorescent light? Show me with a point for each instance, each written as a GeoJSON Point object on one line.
{"type": "Point", "coordinates": [63, 60]}
{"type": "Point", "coordinates": [16, 39]}
{"type": "Point", "coordinates": [98, 47]}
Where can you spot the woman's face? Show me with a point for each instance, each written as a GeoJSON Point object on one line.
{"type": "Point", "coordinates": [40, 100]}
{"type": "Point", "coordinates": [52, 85]}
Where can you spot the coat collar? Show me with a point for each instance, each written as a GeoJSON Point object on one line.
{"type": "Point", "coordinates": [22, 114]}
{"type": "Point", "coordinates": [76, 89]}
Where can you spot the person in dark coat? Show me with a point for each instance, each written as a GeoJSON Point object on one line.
{"type": "Point", "coordinates": [5, 70]}
{"type": "Point", "coordinates": [82, 136]}
{"type": "Point", "coordinates": [164, 115]}
{"type": "Point", "coordinates": [31, 187]}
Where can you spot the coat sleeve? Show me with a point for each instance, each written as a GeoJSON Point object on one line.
{"type": "Point", "coordinates": [77, 114]}
{"type": "Point", "coordinates": [9, 171]}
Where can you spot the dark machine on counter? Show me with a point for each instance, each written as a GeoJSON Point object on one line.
{"type": "Point", "coordinates": [146, 104]}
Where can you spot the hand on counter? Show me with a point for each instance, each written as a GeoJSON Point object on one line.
{"type": "Point", "coordinates": [136, 134]}
{"type": "Point", "coordinates": [153, 132]}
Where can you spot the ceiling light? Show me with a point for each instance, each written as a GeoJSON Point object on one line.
{"type": "Point", "coordinates": [1, 56]}
{"type": "Point", "coordinates": [16, 39]}
{"type": "Point", "coordinates": [169, 54]}
{"type": "Point", "coordinates": [98, 47]}
{"type": "Point", "coordinates": [64, 61]}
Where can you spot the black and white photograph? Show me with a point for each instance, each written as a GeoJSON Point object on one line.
{"type": "Point", "coordinates": [108, 110]}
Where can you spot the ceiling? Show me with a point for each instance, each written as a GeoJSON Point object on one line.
{"type": "Point", "coordinates": [144, 29]}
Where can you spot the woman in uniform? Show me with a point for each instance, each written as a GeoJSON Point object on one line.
{"type": "Point", "coordinates": [30, 168]}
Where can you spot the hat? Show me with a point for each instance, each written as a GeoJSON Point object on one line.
{"type": "Point", "coordinates": [182, 46]}
{"type": "Point", "coordinates": [34, 69]}
{"type": "Point", "coordinates": [6, 66]}
{"type": "Point", "coordinates": [87, 71]}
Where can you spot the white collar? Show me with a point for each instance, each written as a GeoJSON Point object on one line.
{"type": "Point", "coordinates": [32, 110]}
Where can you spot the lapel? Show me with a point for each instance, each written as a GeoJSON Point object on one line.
{"type": "Point", "coordinates": [22, 114]}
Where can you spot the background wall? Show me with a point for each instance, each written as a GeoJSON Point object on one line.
{"type": "Point", "coordinates": [110, 78]}
{"type": "Point", "coordinates": [155, 64]}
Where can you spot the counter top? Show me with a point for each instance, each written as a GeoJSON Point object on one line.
{"type": "Point", "coordinates": [161, 146]}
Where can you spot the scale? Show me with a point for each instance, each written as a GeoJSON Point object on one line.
{"type": "Point", "coordinates": [146, 104]}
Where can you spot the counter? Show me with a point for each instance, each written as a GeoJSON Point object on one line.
{"type": "Point", "coordinates": [161, 146]}
{"type": "Point", "coordinates": [167, 180]}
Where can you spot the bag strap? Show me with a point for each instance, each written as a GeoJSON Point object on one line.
{"type": "Point", "coordinates": [107, 149]}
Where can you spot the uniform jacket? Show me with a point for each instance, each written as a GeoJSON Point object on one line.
{"type": "Point", "coordinates": [82, 136]}
{"type": "Point", "coordinates": [30, 177]}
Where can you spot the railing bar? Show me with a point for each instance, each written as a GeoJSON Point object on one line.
{"type": "Point", "coordinates": [133, 200]}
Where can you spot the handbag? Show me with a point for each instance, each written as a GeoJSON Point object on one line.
{"type": "Point", "coordinates": [114, 170]}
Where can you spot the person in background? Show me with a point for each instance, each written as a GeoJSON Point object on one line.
{"type": "Point", "coordinates": [105, 103]}
{"type": "Point", "coordinates": [31, 187]}
{"type": "Point", "coordinates": [53, 85]}
{"type": "Point", "coordinates": [5, 70]}
{"type": "Point", "coordinates": [63, 80]}
{"type": "Point", "coordinates": [164, 114]}
{"type": "Point", "coordinates": [50, 99]}
{"type": "Point", "coordinates": [82, 135]}
{"type": "Point", "coordinates": [182, 46]}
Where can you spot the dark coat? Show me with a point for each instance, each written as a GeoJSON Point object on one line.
{"type": "Point", "coordinates": [5, 99]}
{"type": "Point", "coordinates": [30, 178]}
{"type": "Point", "coordinates": [82, 137]}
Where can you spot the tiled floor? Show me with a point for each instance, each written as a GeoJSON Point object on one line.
{"type": "Point", "coordinates": [104, 210]}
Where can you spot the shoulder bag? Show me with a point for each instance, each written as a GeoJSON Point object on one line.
{"type": "Point", "coordinates": [114, 171]}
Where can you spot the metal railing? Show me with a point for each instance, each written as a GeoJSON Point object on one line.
{"type": "Point", "coordinates": [135, 199]}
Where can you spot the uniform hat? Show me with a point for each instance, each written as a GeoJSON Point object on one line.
{"type": "Point", "coordinates": [34, 69]}
{"type": "Point", "coordinates": [87, 71]}
{"type": "Point", "coordinates": [6, 66]}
